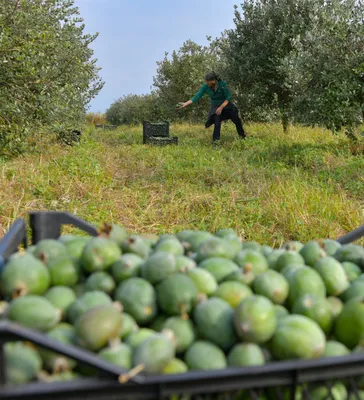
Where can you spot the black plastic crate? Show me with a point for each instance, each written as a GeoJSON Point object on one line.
{"type": "Point", "coordinates": [16, 236]}
{"type": "Point", "coordinates": [106, 127]}
{"type": "Point", "coordinates": [69, 137]}
{"type": "Point", "coordinates": [162, 141]}
{"type": "Point", "coordinates": [157, 133]}
{"type": "Point", "coordinates": [276, 380]}
{"type": "Point", "coordinates": [157, 129]}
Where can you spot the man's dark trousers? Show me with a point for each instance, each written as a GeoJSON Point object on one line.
{"type": "Point", "coordinates": [229, 112]}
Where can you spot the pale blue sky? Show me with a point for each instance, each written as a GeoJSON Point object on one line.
{"type": "Point", "coordinates": [134, 35]}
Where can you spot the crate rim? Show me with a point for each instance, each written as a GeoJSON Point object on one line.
{"type": "Point", "coordinates": [176, 384]}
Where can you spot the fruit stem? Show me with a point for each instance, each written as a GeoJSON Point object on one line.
{"type": "Point", "coordinates": [248, 267]}
{"type": "Point", "coordinates": [183, 311]}
{"type": "Point", "coordinates": [105, 230]}
{"type": "Point", "coordinates": [245, 327]}
{"type": "Point", "coordinates": [3, 307]}
{"type": "Point", "coordinates": [19, 291]}
{"type": "Point", "coordinates": [124, 378]}
{"type": "Point", "coordinates": [43, 376]}
{"type": "Point", "coordinates": [114, 342]}
{"type": "Point", "coordinates": [148, 311]}
{"type": "Point", "coordinates": [201, 298]}
{"type": "Point", "coordinates": [43, 258]}
{"type": "Point", "coordinates": [61, 365]}
{"type": "Point", "coordinates": [118, 306]}
{"type": "Point", "coordinates": [170, 335]}
{"type": "Point", "coordinates": [186, 245]}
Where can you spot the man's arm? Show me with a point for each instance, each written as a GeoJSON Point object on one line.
{"type": "Point", "coordinates": [226, 102]}
{"type": "Point", "coordinates": [195, 98]}
{"type": "Point", "coordinates": [199, 94]}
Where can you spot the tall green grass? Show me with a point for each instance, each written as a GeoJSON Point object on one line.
{"type": "Point", "coordinates": [271, 188]}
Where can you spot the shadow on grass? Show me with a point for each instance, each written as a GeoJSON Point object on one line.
{"type": "Point", "coordinates": [301, 154]}
{"type": "Point", "coordinates": [331, 162]}
{"type": "Point", "coordinates": [187, 135]}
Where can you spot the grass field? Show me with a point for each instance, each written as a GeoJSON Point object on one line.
{"type": "Point", "coordinates": [271, 188]}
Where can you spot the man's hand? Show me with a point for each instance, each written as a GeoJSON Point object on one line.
{"type": "Point", "coordinates": [223, 105]}
{"type": "Point", "coordinates": [183, 105]}
{"type": "Point", "coordinates": [219, 110]}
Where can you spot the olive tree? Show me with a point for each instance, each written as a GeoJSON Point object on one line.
{"type": "Point", "coordinates": [47, 74]}
{"type": "Point", "coordinates": [134, 109]}
{"type": "Point", "coordinates": [326, 68]}
{"type": "Point", "coordinates": [180, 76]}
{"type": "Point", "coordinates": [255, 49]}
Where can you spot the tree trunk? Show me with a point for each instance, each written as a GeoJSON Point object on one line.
{"type": "Point", "coordinates": [283, 100]}
{"type": "Point", "coordinates": [284, 120]}
{"type": "Point", "coordinates": [350, 134]}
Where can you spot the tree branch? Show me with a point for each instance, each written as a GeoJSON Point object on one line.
{"type": "Point", "coordinates": [17, 5]}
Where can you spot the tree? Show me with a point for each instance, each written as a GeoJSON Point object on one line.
{"type": "Point", "coordinates": [47, 74]}
{"type": "Point", "coordinates": [255, 49]}
{"type": "Point", "coordinates": [179, 78]}
{"type": "Point", "coordinates": [134, 109]}
{"type": "Point", "coordinates": [326, 68]}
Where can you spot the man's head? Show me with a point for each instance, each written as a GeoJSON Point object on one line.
{"type": "Point", "coordinates": [211, 79]}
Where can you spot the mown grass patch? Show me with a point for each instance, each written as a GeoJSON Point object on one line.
{"type": "Point", "coordinates": [271, 188]}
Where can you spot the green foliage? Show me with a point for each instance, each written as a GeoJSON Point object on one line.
{"type": "Point", "coordinates": [47, 74]}
{"type": "Point", "coordinates": [304, 59]}
{"type": "Point", "coordinates": [179, 78]}
{"type": "Point", "coordinates": [326, 68]}
{"type": "Point", "coordinates": [134, 109]}
{"type": "Point", "coordinates": [254, 51]}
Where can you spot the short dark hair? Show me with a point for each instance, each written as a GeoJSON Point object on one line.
{"type": "Point", "coordinates": [211, 76]}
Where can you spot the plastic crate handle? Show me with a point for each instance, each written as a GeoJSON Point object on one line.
{"type": "Point", "coordinates": [352, 236]}
{"type": "Point", "coordinates": [10, 331]}
{"type": "Point", "coordinates": [16, 236]}
{"type": "Point", "coordinates": [48, 224]}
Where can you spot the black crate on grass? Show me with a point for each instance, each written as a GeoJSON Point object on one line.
{"type": "Point", "coordinates": [276, 380]}
{"type": "Point", "coordinates": [110, 127]}
{"type": "Point", "coordinates": [10, 243]}
{"type": "Point", "coordinates": [161, 141]}
{"type": "Point", "coordinates": [157, 133]}
{"type": "Point", "coordinates": [69, 137]}
{"type": "Point", "coordinates": [106, 127]}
